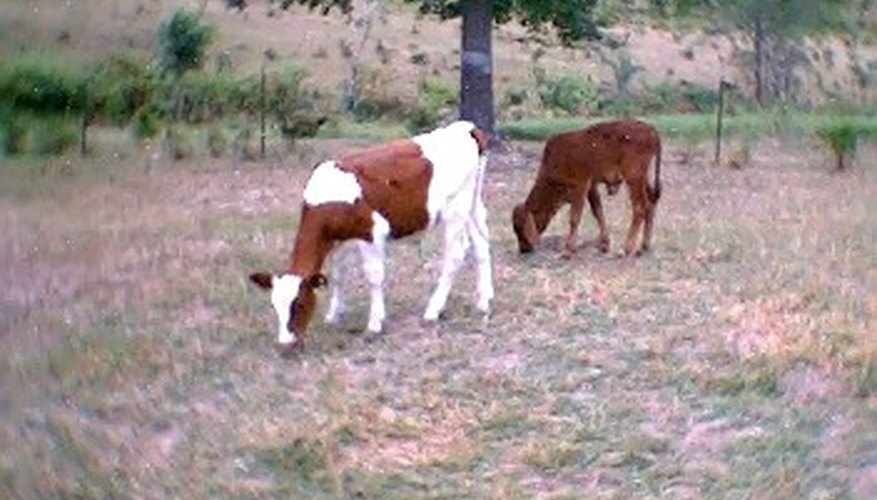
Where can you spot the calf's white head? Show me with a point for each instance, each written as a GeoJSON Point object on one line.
{"type": "Point", "coordinates": [294, 302]}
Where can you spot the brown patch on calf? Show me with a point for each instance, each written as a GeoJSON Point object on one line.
{"type": "Point", "coordinates": [305, 304]}
{"type": "Point", "coordinates": [395, 183]}
{"type": "Point", "coordinates": [262, 280]}
{"type": "Point", "coordinates": [574, 163]}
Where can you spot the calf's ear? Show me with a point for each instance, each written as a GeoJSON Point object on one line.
{"type": "Point", "coordinates": [262, 280]}
{"type": "Point", "coordinates": [318, 281]}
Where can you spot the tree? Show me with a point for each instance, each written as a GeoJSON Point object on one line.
{"type": "Point", "coordinates": [773, 26]}
{"type": "Point", "coordinates": [572, 20]}
{"type": "Point", "coordinates": [183, 41]}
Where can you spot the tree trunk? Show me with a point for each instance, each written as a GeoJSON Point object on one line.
{"type": "Point", "coordinates": [759, 43]}
{"type": "Point", "coordinates": [476, 75]}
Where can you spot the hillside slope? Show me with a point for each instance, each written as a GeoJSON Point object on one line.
{"type": "Point", "coordinates": [402, 48]}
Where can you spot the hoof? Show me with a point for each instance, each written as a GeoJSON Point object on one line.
{"type": "Point", "coordinates": [290, 350]}
{"type": "Point", "coordinates": [603, 246]}
{"type": "Point", "coordinates": [371, 337]}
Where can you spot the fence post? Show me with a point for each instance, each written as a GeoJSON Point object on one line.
{"type": "Point", "coordinates": [719, 115]}
{"type": "Point", "coordinates": [262, 114]}
{"type": "Point", "coordinates": [83, 147]}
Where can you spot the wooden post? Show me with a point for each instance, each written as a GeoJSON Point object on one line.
{"type": "Point", "coordinates": [82, 136]}
{"type": "Point", "coordinates": [262, 112]}
{"type": "Point", "coordinates": [719, 116]}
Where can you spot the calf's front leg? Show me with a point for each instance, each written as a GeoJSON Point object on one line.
{"type": "Point", "coordinates": [373, 264]}
{"type": "Point", "coordinates": [577, 206]}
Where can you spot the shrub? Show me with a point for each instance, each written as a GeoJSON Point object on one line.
{"type": "Point", "coordinates": [183, 41]}
{"type": "Point", "coordinates": [288, 98]}
{"type": "Point", "coordinates": [146, 123]}
{"type": "Point", "coordinates": [843, 139]}
{"type": "Point", "coordinates": [217, 141]}
{"type": "Point", "coordinates": [565, 93]}
{"type": "Point", "coordinates": [55, 135]}
{"type": "Point", "coordinates": [118, 87]}
{"type": "Point", "coordinates": [435, 102]}
{"type": "Point", "coordinates": [661, 98]}
{"type": "Point", "coordinates": [40, 83]}
{"type": "Point", "coordinates": [516, 96]}
{"type": "Point", "coordinates": [374, 100]}
{"type": "Point", "coordinates": [702, 99]}
{"type": "Point", "coordinates": [15, 137]}
{"type": "Point", "coordinates": [180, 143]}
{"type": "Point", "coordinates": [203, 97]}
{"type": "Point", "coordinates": [245, 144]}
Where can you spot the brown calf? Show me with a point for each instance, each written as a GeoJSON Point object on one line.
{"type": "Point", "coordinates": [574, 163]}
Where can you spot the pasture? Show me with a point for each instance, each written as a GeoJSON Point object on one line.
{"type": "Point", "coordinates": [738, 359]}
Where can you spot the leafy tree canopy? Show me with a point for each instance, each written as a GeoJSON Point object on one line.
{"type": "Point", "coordinates": [183, 41]}
{"type": "Point", "coordinates": [572, 18]}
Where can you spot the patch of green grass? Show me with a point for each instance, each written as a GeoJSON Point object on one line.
{"type": "Point", "coordinates": [88, 476]}
{"type": "Point", "coordinates": [700, 126]}
{"type": "Point", "coordinates": [779, 462]}
{"type": "Point", "coordinates": [550, 457]}
{"type": "Point", "coordinates": [88, 358]}
{"type": "Point", "coordinates": [371, 131]}
{"type": "Point", "coordinates": [509, 424]}
{"type": "Point", "coordinates": [759, 380]}
{"type": "Point", "coordinates": [865, 379]}
{"type": "Point", "coordinates": [302, 467]}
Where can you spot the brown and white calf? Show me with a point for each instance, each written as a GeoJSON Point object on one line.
{"type": "Point", "coordinates": [574, 163]}
{"type": "Point", "coordinates": [379, 194]}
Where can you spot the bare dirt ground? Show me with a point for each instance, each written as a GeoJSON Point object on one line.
{"type": "Point", "coordinates": [736, 360]}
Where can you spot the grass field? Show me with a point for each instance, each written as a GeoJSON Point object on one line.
{"type": "Point", "coordinates": [738, 360]}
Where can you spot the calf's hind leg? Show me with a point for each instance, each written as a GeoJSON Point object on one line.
{"type": "Point", "coordinates": [480, 238]}
{"type": "Point", "coordinates": [597, 211]}
{"type": "Point", "coordinates": [639, 206]}
{"type": "Point", "coordinates": [649, 224]}
{"type": "Point", "coordinates": [339, 268]}
{"type": "Point", "coordinates": [456, 244]}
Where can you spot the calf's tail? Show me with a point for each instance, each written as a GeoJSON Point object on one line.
{"type": "Point", "coordinates": [655, 192]}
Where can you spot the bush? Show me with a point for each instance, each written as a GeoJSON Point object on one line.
{"type": "Point", "coordinates": [217, 141]}
{"type": "Point", "coordinates": [245, 144]}
{"type": "Point", "coordinates": [183, 41]}
{"type": "Point", "coordinates": [661, 98]}
{"type": "Point", "coordinates": [375, 101]}
{"type": "Point", "coordinates": [180, 143]}
{"type": "Point", "coordinates": [118, 87]}
{"type": "Point", "coordinates": [843, 139]}
{"type": "Point", "coordinates": [15, 136]}
{"type": "Point", "coordinates": [288, 99]}
{"type": "Point", "coordinates": [435, 102]}
{"type": "Point", "coordinates": [146, 123]}
{"type": "Point", "coordinates": [55, 135]}
{"type": "Point", "coordinates": [24, 133]}
{"type": "Point", "coordinates": [568, 94]}
{"type": "Point", "coordinates": [41, 84]}
{"type": "Point", "coordinates": [701, 99]}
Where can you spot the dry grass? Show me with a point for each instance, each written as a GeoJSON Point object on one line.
{"type": "Point", "coordinates": [737, 360]}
